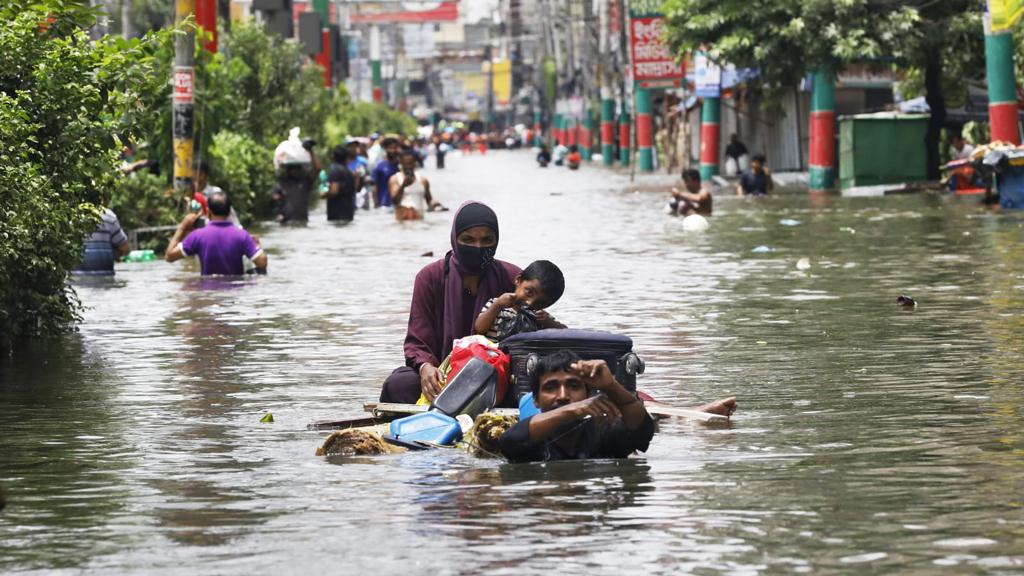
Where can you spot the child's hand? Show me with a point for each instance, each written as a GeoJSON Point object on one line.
{"type": "Point", "coordinates": [506, 300]}
{"type": "Point", "coordinates": [542, 316]}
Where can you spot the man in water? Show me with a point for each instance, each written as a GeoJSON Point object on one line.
{"type": "Point", "coordinates": [220, 244]}
{"type": "Point", "coordinates": [385, 169]}
{"type": "Point", "coordinates": [756, 182]}
{"type": "Point", "coordinates": [574, 424]}
{"type": "Point", "coordinates": [103, 246]}
{"type": "Point", "coordinates": [693, 200]}
{"type": "Point", "coordinates": [409, 190]}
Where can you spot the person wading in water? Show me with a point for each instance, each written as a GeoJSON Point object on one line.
{"type": "Point", "coordinates": [446, 297]}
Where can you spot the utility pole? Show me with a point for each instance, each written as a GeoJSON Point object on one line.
{"type": "Point", "coordinates": [182, 100]}
{"type": "Point", "coordinates": [489, 59]}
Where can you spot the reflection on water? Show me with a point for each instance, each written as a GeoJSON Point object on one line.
{"type": "Point", "coordinates": [870, 438]}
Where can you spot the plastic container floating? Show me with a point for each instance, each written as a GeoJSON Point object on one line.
{"type": "Point", "coordinates": [140, 256]}
{"type": "Point", "coordinates": [427, 427]}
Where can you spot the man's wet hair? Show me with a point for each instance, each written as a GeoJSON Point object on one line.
{"type": "Point", "coordinates": [558, 362]}
{"type": "Point", "coordinates": [407, 151]}
{"type": "Point", "coordinates": [219, 204]}
{"type": "Point", "coordinates": [552, 283]}
{"type": "Point", "coordinates": [691, 174]}
{"type": "Point", "coordinates": [389, 141]}
{"type": "Point", "coordinates": [759, 158]}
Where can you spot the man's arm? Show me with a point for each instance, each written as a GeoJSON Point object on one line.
{"type": "Point", "coordinates": [598, 377]}
{"type": "Point", "coordinates": [174, 252]}
{"type": "Point", "coordinates": [769, 182]}
{"type": "Point", "coordinates": [547, 425]}
{"type": "Point", "coordinates": [426, 193]}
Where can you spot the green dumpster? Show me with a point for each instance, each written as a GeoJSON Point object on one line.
{"type": "Point", "coordinates": [883, 148]}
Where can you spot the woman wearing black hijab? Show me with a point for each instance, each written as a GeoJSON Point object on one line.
{"type": "Point", "coordinates": [446, 297]}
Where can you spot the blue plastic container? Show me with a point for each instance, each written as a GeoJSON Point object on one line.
{"type": "Point", "coordinates": [431, 427]}
{"type": "Point", "coordinates": [1010, 182]}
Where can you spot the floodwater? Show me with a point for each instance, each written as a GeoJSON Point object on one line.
{"type": "Point", "coordinates": [869, 438]}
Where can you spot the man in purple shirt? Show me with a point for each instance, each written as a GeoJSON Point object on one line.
{"type": "Point", "coordinates": [220, 244]}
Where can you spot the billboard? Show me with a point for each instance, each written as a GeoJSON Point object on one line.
{"type": "Point", "coordinates": [654, 65]}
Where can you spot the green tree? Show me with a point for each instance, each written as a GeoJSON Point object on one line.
{"type": "Point", "coordinates": [784, 40]}
{"type": "Point", "coordinates": [63, 102]}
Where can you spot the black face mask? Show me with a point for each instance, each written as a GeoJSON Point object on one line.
{"type": "Point", "coordinates": [474, 259]}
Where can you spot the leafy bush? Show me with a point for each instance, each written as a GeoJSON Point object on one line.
{"type": "Point", "coordinates": [62, 101]}
{"type": "Point", "coordinates": [361, 118]}
{"type": "Point", "coordinates": [245, 170]}
{"type": "Point", "coordinates": [144, 199]}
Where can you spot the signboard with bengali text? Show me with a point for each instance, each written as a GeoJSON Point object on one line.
{"type": "Point", "coordinates": [653, 62]}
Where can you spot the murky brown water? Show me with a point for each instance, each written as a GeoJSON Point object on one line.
{"type": "Point", "coordinates": [869, 439]}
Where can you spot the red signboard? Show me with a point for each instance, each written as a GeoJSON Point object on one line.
{"type": "Point", "coordinates": [653, 62]}
{"type": "Point", "coordinates": [183, 83]}
{"type": "Point", "coordinates": [445, 12]}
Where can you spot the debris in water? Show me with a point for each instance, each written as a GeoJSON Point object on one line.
{"type": "Point", "coordinates": [354, 442]}
{"type": "Point", "coordinates": [427, 254]}
{"type": "Point", "coordinates": [906, 302]}
{"type": "Point", "coordinates": [763, 249]}
{"type": "Point", "coordinates": [789, 222]}
{"type": "Point", "coordinates": [267, 419]}
{"type": "Point", "coordinates": [488, 427]}
{"type": "Point", "coordinates": [803, 263]}
{"type": "Point", "coordinates": [847, 229]}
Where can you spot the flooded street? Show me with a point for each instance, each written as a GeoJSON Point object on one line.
{"type": "Point", "coordinates": [869, 438]}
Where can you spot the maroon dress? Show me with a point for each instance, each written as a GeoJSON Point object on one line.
{"type": "Point", "coordinates": [442, 310]}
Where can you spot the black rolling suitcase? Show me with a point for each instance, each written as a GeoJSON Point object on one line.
{"type": "Point", "coordinates": [527, 348]}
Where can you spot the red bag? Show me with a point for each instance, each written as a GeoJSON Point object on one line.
{"type": "Point", "coordinates": [493, 356]}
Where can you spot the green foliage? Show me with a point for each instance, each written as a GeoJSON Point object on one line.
{"type": "Point", "coordinates": [63, 101]}
{"type": "Point", "coordinates": [143, 198]}
{"type": "Point", "coordinates": [361, 118]}
{"type": "Point", "coordinates": [248, 95]}
{"type": "Point", "coordinates": [784, 40]}
{"type": "Point", "coordinates": [245, 171]}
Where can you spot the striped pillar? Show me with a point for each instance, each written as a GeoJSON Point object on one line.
{"type": "Point", "coordinates": [206, 18]}
{"type": "Point", "coordinates": [625, 127]}
{"type": "Point", "coordinates": [556, 128]}
{"type": "Point", "coordinates": [607, 131]}
{"type": "Point", "coordinates": [822, 152]}
{"type": "Point", "coordinates": [644, 131]}
{"type": "Point", "coordinates": [587, 134]}
{"type": "Point", "coordinates": [1002, 90]}
{"type": "Point", "coordinates": [571, 132]}
{"type": "Point", "coordinates": [538, 119]}
{"type": "Point", "coordinates": [710, 137]}
{"type": "Point", "coordinates": [375, 75]}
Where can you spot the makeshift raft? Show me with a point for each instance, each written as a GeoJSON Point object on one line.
{"type": "Point", "coordinates": [363, 435]}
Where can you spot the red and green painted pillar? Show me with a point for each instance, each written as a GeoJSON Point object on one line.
{"type": "Point", "coordinates": [571, 132]}
{"type": "Point", "coordinates": [587, 134]}
{"type": "Point", "coordinates": [1002, 85]}
{"type": "Point", "coordinates": [644, 131]}
{"type": "Point", "coordinates": [206, 18]}
{"type": "Point", "coordinates": [607, 130]}
{"type": "Point", "coordinates": [538, 124]}
{"type": "Point", "coordinates": [710, 137]}
{"type": "Point", "coordinates": [375, 73]}
{"type": "Point", "coordinates": [322, 7]}
{"type": "Point", "coordinates": [556, 128]}
{"type": "Point", "coordinates": [625, 127]}
{"type": "Point", "coordinates": [822, 153]}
